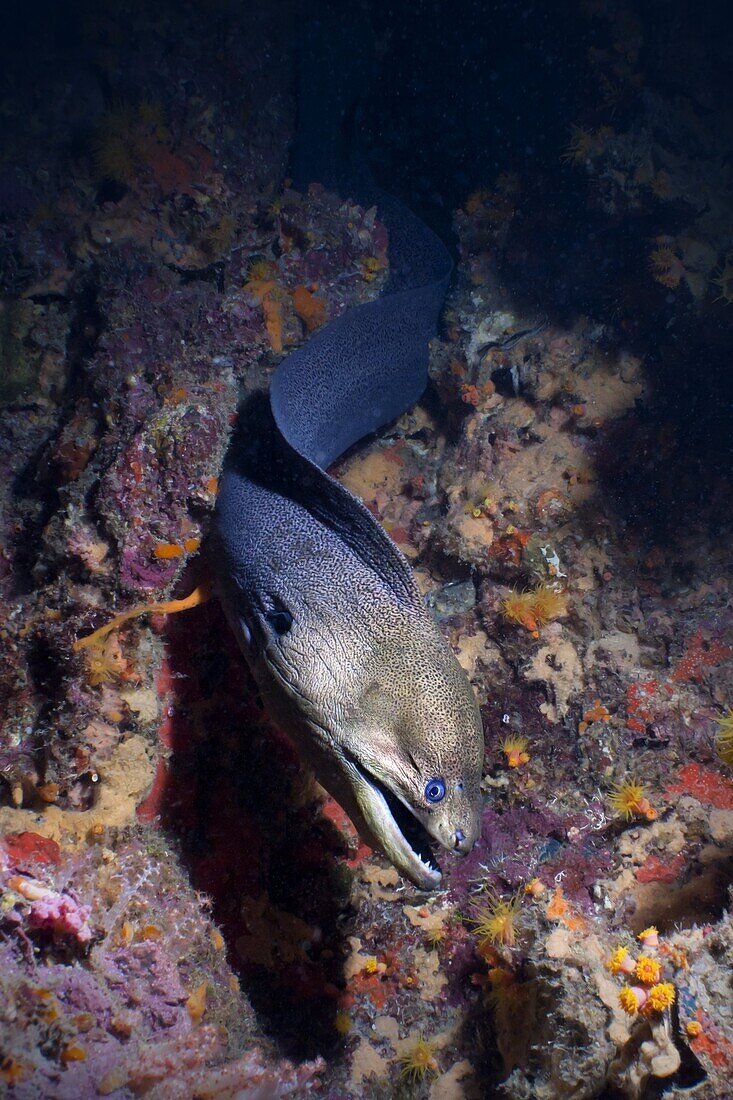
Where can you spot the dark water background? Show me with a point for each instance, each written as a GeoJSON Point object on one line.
{"type": "Point", "coordinates": [443, 96]}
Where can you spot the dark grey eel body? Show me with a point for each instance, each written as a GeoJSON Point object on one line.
{"type": "Point", "coordinates": [326, 609]}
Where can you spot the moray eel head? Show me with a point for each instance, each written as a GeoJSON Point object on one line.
{"type": "Point", "coordinates": [413, 748]}
{"type": "Point", "coordinates": [401, 748]}
{"type": "Point", "coordinates": [386, 717]}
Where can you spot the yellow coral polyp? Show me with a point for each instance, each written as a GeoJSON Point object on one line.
{"type": "Point", "coordinates": [514, 748]}
{"type": "Point", "coordinates": [114, 159]}
{"type": "Point", "coordinates": [120, 143]}
{"type": "Point", "coordinates": [548, 604]}
{"type": "Point", "coordinates": [649, 936]}
{"type": "Point", "coordinates": [630, 1000]}
{"type": "Point", "coordinates": [666, 267]}
{"type": "Point", "coordinates": [260, 271]}
{"type": "Point", "coordinates": [661, 996]}
{"type": "Point", "coordinates": [518, 607]}
{"type": "Point", "coordinates": [220, 236]}
{"type": "Point", "coordinates": [580, 147]}
{"type": "Point", "coordinates": [419, 1061]}
{"type": "Point", "coordinates": [435, 936]}
{"type": "Point", "coordinates": [724, 738]}
{"type": "Point", "coordinates": [105, 661]}
{"type": "Point", "coordinates": [647, 970]}
{"type": "Point", "coordinates": [629, 799]}
{"type": "Point", "coordinates": [724, 280]}
{"type": "Point", "coordinates": [495, 920]}
{"type": "Point", "coordinates": [535, 607]}
{"type": "Point", "coordinates": [616, 963]}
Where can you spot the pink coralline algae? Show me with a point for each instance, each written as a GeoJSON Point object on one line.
{"type": "Point", "coordinates": [122, 1020]}
{"type": "Point", "coordinates": [61, 915]}
{"type": "Point", "coordinates": [43, 909]}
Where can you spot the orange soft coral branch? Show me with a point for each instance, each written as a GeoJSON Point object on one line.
{"type": "Point", "coordinates": [273, 322]}
{"type": "Point", "coordinates": [166, 607]}
{"type": "Point", "coordinates": [310, 309]}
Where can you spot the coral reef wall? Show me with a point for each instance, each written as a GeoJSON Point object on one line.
{"type": "Point", "coordinates": [183, 912]}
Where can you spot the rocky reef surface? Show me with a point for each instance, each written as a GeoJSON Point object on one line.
{"type": "Point", "coordinates": [182, 911]}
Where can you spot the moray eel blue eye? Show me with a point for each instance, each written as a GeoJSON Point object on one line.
{"type": "Point", "coordinates": [435, 790]}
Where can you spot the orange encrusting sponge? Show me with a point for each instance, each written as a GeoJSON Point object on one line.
{"type": "Point", "coordinates": [166, 607]}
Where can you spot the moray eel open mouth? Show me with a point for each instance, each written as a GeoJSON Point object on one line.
{"type": "Point", "coordinates": [403, 838]}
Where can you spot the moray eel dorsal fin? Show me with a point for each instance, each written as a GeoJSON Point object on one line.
{"type": "Point", "coordinates": [325, 607]}
{"type": "Point", "coordinates": [336, 508]}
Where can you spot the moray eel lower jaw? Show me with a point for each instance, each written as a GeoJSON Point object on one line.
{"type": "Point", "coordinates": [382, 819]}
{"type": "Point", "coordinates": [383, 794]}
{"type": "Point", "coordinates": [391, 827]}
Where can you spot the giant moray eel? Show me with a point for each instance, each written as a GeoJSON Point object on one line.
{"type": "Point", "coordinates": [325, 607]}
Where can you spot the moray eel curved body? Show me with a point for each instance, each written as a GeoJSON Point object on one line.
{"type": "Point", "coordinates": [326, 609]}
{"type": "Point", "coordinates": [349, 662]}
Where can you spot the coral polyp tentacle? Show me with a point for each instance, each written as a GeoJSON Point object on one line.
{"type": "Point", "coordinates": [495, 919]}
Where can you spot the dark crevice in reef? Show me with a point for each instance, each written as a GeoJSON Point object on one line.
{"type": "Point", "coordinates": [691, 1071]}
{"type": "Point", "coordinates": [571, 262]}
{"type": "Point", "coordinates": [267, 859]}
{"type": "Point", "coordinates": [701, 897]}
{"type": "Point", "coordinates": [36, 486]}
{"type": "Point", "coordinates": [110, 191]}
{"type": "Point", "coordinates": [565, 257]}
